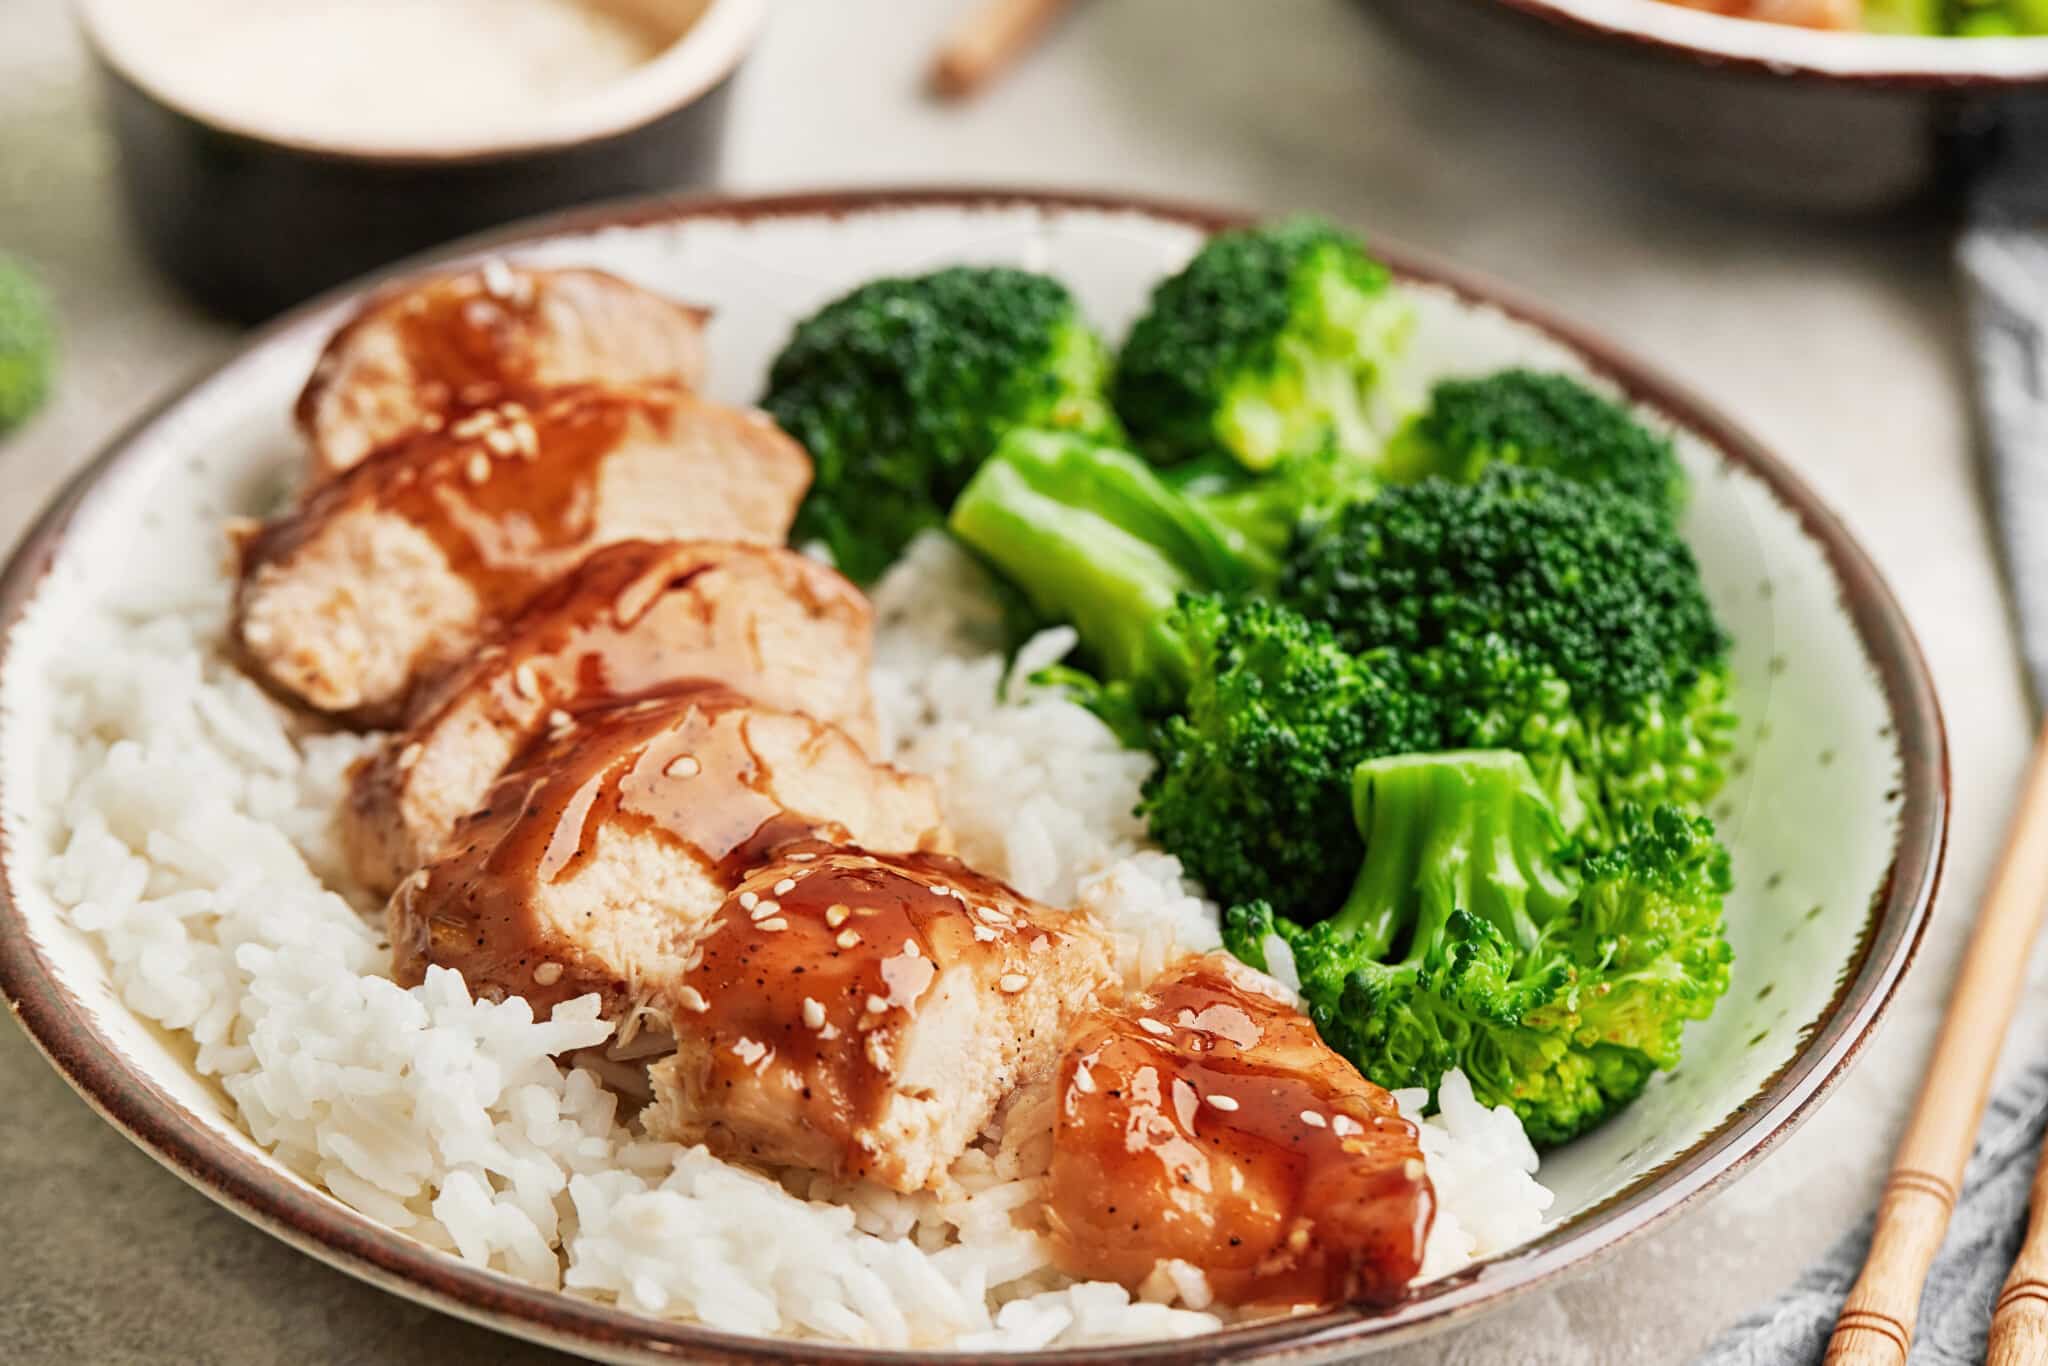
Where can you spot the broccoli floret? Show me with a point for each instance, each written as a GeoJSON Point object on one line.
{"type": "Point", "coordinates": [1269, 511]}
{"type": "Point", "coordinates": [28, 344]}
{"type": "Point", "coordinates": [1543, 421]}
{"type": "Point", "coordinates": [1091, 536]}
{"type": "Point", "coordinates": [1265, 347]}
{"type": "Point", "coordinates": [901, 389]}
{"type": "Point", "coordinates": [1476, 936]}
{"type": "Point", "coordinates": [1566, 622]}
{"type": "Point", "coordinates": [1251, 787]}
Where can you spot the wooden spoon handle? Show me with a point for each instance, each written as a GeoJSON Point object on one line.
{"type": "Point", "coordinates": [1876, 1324]}
{"type": "Point", "coordinates": [2019, 1324]}
{"type": "Point", "coordinates": [992, 36]}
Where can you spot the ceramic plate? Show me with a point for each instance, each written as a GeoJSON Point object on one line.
{"type": "Point", "coordinates": [1836, 815]}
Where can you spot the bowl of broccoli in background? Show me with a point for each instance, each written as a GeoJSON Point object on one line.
{"type": "Point", "coordinates": [1530, 714]}
{"type": "Point", "coordinates": [1907, 110]}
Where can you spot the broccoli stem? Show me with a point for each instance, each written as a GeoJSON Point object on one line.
{"type": "Point", "coordinates": [1463, 830]}
{"type": "Point", "coordinates": [1092, 536]}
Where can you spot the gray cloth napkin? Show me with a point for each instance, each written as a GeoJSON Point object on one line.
{"type": "Point", "coordinates": [1983, 1237]}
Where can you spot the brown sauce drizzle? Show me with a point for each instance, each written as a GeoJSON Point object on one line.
{"type": "Point", "coordinates": [508, 493]}
{"type": "Point", "coordinates": [811, 969]}
{"type": "Point", "coordinates": [1205, 1121]}
{"type": "Point", "coordinates": [678, 764]}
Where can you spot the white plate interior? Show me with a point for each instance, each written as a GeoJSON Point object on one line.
{"type": "Point", "coordinates": [1811, 814]}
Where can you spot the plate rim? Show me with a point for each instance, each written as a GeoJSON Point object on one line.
{"type": "Point", "coordinates": [1895, 924]}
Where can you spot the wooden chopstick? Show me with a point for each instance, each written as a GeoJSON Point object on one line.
{"type": "Point", "coordinates": [1876, 1323]}
{"type": "Point", "coordinates": [995, 34]}
{"type": "Point", "coordinates": [2019, 1324]}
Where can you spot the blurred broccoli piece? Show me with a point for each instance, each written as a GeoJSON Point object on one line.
{"type": "Point", "coordinates": [28, 344]}
{"type": "Point", "coordinates": [1265, 347]}
{"type": "Point", "coordinates": [1542, 421]}
{"type": "Point", "coordinates": [901, 389]}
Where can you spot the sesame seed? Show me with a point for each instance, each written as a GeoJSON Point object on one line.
{"type": "Point", "coordinates": [1224, 1103]}
{"type": "Point", "coordinates": [748, 900]}
{"type": "Point", "coordinates": [526, 682]}
{"type": "Point", "coordinates": [1152, 1026]}
{"type": "Point", "coordinates": [785, 886]}
{"type": "Point", "coordinates": [498, 281]}
{"type": "Point", "coordinates": [835, 916]}
{"type": "Point", "coordinates": [773, 924]}
{"type": "Point", "coordinates": [547, 974]}
{"type": "Point", "coordinates": [501, 441]}
{"type": "Point", "coordinates": [1314, 1120]}
{"type": "Point", "coordinates": [683, 766]}
{"type": "Point", "coordinates": [1344, 1126]}
{"type": "Point", "coordinates": [410, 755]}
{"type": "Point", "coordinates": [937, 890]}
{"type": "Point", "coordinates": [847, 939]}
{"type": "Point", "coordinates": [763, 909]}
{"type": "Point", "coordinates": [479, 468]}
{"type": "Point", "coordinates": [1084, 1080]}
{"type": "Point", "coordinates": [814, 1014]}
{"type": "Point", "coordinates": [876, 1005]}
{"type": "Point", "coordinates": [693, 1000]}
{"type": "Point", "coordinates": [1013, 982]}
{"type": "Point", "coordinates": [829, 1032]}
{"type": "Point", "coordinates": [750, 1051]}
{"type": "Point", "coordinates": [984, 935]}
{"type": "Point", "coordinates": [802, 858]}
{"type": "Point", "coordinates": [560, 721]}
{"type": "Point", "coordinates": [476, 424]}
{"type": "Point", "coordinates": [526, 440]}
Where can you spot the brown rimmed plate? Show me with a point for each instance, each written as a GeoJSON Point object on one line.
{"type": "Point", "coordinates": [1837, 817]}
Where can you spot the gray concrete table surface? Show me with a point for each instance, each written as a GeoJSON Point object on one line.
{"type": "Point", "coordinates": [1839, 343]}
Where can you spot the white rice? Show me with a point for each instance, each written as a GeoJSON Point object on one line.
{"type": "Point", "coordinates": [188, 823]}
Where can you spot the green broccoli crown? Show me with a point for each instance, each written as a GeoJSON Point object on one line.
{"type": "Point", "coordinates": [1265, 346]}
{"type": "Point", "coordinates": [28, 344]}
{"type": "Point", "coordinates": [1565, 622]}
{"type": "Point", "coordinates": [1090, 535]}
{"type": "Point", "coordinates": [1542, 421]}
{"type": "Point", "coordinates": [1252, 790]}
{"type": "Point", "coordinates": [901, 389]}
{"type": "Point", "coordinates": [1478, 937]}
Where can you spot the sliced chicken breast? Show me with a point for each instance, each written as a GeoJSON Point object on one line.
{"type": "Point", "coordinates": [632, 619]}
{"type": "Point", "coordinates": [419, 354]}
{"type": "Point", "coordinates": [862, 1015]}
{"type": "Point", "coordinates": [385, 575]}
{"type": "Point", "coordinates": [599, 855]}
{"type": "Point", "coordinates": [1204, 1121]}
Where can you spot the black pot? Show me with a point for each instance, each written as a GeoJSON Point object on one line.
{"type": "Point", "coordinates": [1839, 123]}
{"type": "Point", "coordinates": [249, 223]}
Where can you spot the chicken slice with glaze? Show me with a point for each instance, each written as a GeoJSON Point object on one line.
{"type": "Point", "coordinates": [862, 1015]}
{"type": "Point", "coordinates": [1204, 1121]}
{"type": "Point", "coordinates": [598, 856]}
{"type": "Point", "coordinates": [384, 576]}
{"type": "Point", "coordinates": [423, 353]}
{"type": "Point", "coordinates": [633, 619]}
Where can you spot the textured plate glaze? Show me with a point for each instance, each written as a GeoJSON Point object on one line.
{"type": "Point", "coordinates": [1837, 814]}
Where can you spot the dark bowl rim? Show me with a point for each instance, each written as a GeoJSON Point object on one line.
{"type": "Point", "coordinates": [315, 1223]}
{"type": "Point", "coordinates": [1875, 75]}
{"type": "Point", "coordinates": [745, 35]}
